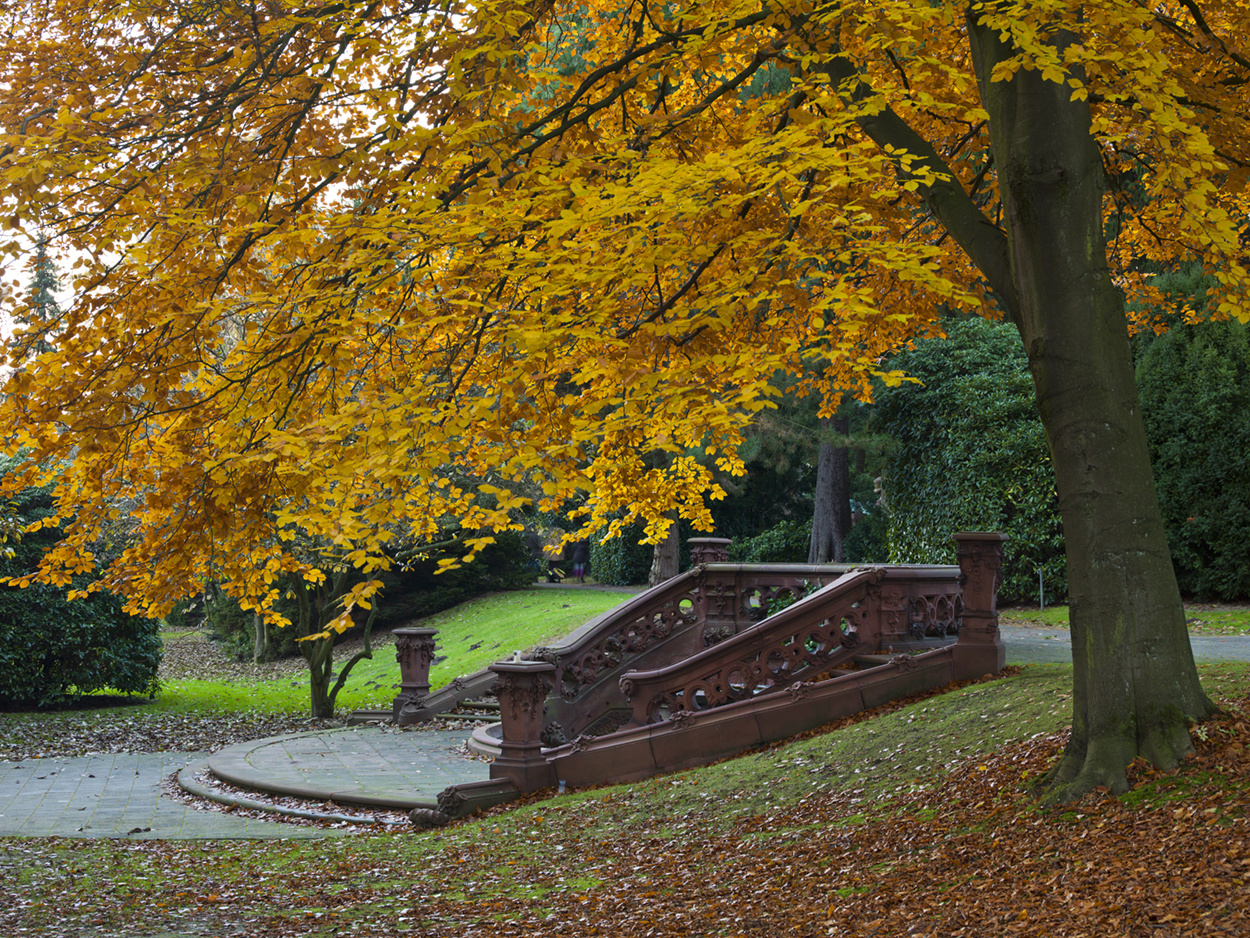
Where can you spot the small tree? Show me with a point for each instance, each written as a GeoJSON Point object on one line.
{"type": "Point", "coordinates": [320, 619]}
{"type": "Point", "coordinates": [43, 310]}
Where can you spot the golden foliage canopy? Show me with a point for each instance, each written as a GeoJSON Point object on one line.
{"type": "Point", "coordinates": [345, 270]}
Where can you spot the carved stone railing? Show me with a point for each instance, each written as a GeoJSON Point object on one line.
{"type": "Point", "coordinates": [788, 705]}
{"type": "Point", "coordinates": [856, 614]}
{"type": "Point", "coordinates": [669, 623]}
{"type": "Point", "coordinates": [762, 680]}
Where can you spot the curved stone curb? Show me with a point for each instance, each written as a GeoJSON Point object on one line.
{"type": "Point", "coordinates": [395, 791]}
{"type": "Point", "coordinates": [187, 782]}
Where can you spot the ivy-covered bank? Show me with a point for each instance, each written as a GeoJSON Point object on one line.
{"type": "Point", "coordinates": [970, 454]}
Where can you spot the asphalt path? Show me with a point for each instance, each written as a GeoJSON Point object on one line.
{"type": "Point", "coordinates": [1041, 645]}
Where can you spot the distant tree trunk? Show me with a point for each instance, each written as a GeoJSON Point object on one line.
{"type": "Point", "coordinates": [1135, 685]}
{"type": "Point", "coordinates": [831, 518]}
{"type": "Point", "coordinates": [666, 558]}
{"type": "Point", "coordinates": [260, 638]}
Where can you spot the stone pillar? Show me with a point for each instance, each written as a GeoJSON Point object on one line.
{"type": "Point", "coordinates": [709, 550]}
{"type": "Point", "coordinates": [980, 648]}
{"type": "Point", "coordinates": [414, 650]}
{"type": "Point", "coordinates": [522, 689]}
{"type": "Point", "coordinates": [715, 602]}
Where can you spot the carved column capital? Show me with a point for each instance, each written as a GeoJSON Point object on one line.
{"type": "Point", "coordinates": [709, 550]}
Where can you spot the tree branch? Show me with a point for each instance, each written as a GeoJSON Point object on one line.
{"type": "Point", "coordinates": [983, 241]}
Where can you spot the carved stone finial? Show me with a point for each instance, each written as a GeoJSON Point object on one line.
{"type": "Point", "coordinates": [553, 735]}
{"type": "Point", "coordinates": [708, 550]}
{"type": "Point", "coordinates": [451, 801]}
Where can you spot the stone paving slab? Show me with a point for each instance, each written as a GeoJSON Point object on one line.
{"type": "Point", "coordinates": [360, 765]}
{"type": "Point", "coordinates": [118, 796]}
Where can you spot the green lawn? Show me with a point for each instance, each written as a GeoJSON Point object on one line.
{"type": "Point", "coordinates": [470, 636]}
{"type": "Point", "coordinates": [899, 792]}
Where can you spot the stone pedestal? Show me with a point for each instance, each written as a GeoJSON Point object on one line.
{"type": "Point", "coordinates": [980, 648]}
{"type": "Point", "coordinates": [708, 550]}
{"type": "Point", "coordinates": [522, 689]}
{"type": "Point", "coordinates": [414, 650]}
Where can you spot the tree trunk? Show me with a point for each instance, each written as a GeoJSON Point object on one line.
{"type": "Point", "coordinates": [260, 638]}
{"type": "Point", "coordinates": [666, 558]}
{"type": "Point", "coordinates": [1135, 683]}
{"type": "Point", "coordinates": [320, 671]}
{"type": "Point", "coordinates": [831, 516]}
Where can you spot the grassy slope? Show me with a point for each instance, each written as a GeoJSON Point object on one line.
{"type": "Point", "coordinates": [668, 846]}
{"type": "Point", "coordinates": [471, 636]}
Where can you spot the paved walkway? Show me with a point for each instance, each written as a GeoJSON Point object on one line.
{"type": "Point", "coordinates": [376, 766]}
{"type": "Point", "coordinates": [116, 796]}
{"type": "Point", "coordinates": [1029, 645]}
{"type": "Point", "coordinates": [127, 796]}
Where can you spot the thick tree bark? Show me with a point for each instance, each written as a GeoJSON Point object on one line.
{"type": "Point", "coordinates": [831, 515]}
{"type": "Point", "coordinates": [666, 558]}
{"type": "Point", "coordinates": [1135, 683]}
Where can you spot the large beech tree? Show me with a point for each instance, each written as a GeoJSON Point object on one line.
{"type": "Point", "coordinates": [324, 251]}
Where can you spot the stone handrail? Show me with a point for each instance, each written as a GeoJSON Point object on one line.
{"type": "Point", "coordinates": [668, 623]}
{"type": "Point", "coordinates": [860, 612]}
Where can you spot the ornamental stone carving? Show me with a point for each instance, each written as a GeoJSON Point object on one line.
{"type": "Point", "coordinates": [799, 690]}
{"type": "Point", "coordinates": [414, 648]}
{"type": "Point", "coordinates": [451, 801]}
{"type": "Point", "coordinates": [720, 597]}
{"type": "Point", "coordinates": [682, 718]}
{"type": "Point", "coordinates": [525, 695]}
{"type": "Point", "coordinates": [553, 735]}
{"type": "Point", "coordinates": [709, 550]}
{"type": "Point", "coordinates": [428, 818]}
{"type": "Point", "coordinates": [544, 653]}
{"type": "Point", "coordinates": [717, 634]}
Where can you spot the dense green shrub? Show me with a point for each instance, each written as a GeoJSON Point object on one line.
{"type": "Point", "coordinates": [621, 561]}
{"type": "Point", "coordinates": [785, 542]}
{"type": "Point", "coordinates": [970, 454]}
{"type": "Point", "coordinates": [1194, 383]}
{"type": "Point", "coordinates": [869, 540]}
{"type": "Point", "coordinates": [53, 650]}
{"type": "Point", "coordinates": [788, 542]}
